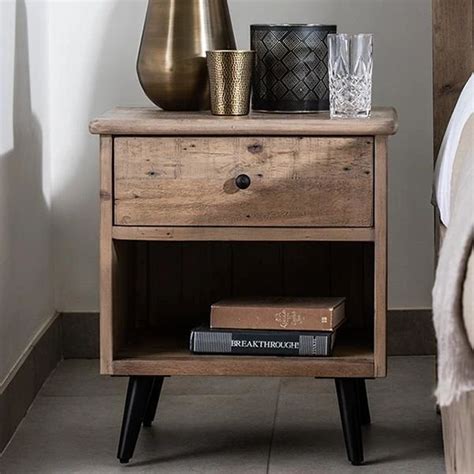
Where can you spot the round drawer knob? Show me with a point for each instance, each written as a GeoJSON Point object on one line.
{"type": "Point", "coordinates": [242, 181]}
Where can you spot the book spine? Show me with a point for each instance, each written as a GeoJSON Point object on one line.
{"type": "Point", "coordinates": [260, 343]}
{"type": "Point", "coordinates": [272, 319]}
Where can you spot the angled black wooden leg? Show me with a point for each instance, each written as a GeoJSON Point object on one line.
{"type": "Point", "coordinates": [138, 393]}
{"type": "Point", "coordinates": [347, 396]}
{"type": "Point", "coordinates": [364, 411]}
{"type": "Point", "coordinates": [153, 399]}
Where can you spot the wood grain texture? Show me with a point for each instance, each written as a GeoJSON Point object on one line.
{"type": "Point", "coordinates": [183, 279]}
{"type": "Point", "coordinates": [151, 121]}
{"type": "Point", "coordinates": [380, 258]}
{"type": "Point", "coordinates": [317, 227]}
{"type": "Point", "coordinates": [117, 260]}
{"type": "Point", "coordinates": [347, 279]}
{"type": "Point", "coordinates": [453, 63]}
{"type": "Point", "coordinates": [108, 261]}
{"type": "Point", "coordinates": [281, 234]}
{"type": "Point", "coordinates": [458, 435]}
{"type": "Point", "coordinates": [155, 356]}
{"type": "Point", "coordinates": [295, 181]}
{"type": "Point", "coordinates": [453, 58]}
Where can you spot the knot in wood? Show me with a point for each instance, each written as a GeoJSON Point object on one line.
{"type": "Point", "coordinates": [256, 148]}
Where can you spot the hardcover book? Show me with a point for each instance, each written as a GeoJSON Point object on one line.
{"type": "Point", "coordinates": [279, 313]}
{"type": "Point", "coordinates": [279, 343]}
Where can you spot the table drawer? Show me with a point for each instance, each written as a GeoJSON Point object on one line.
{"type": "Point", "coordinates": [292, 181]}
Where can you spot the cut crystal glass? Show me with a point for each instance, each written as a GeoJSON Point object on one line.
{"type": "Point", "coordinates": [350, 75]}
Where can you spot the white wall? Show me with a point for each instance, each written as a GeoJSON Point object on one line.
{"type": "Point", "coordinates": [93, 52]}
{"type": "Point", "coordinates": [26, 293]}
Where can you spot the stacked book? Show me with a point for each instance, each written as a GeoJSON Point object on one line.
{"type": "Point", "coordinates": [271, 326]}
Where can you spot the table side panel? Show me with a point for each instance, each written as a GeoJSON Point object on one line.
{"type": "Point", "coordinates": [380, 258]}
{"type": "Point", "coordinates": [108, 262]}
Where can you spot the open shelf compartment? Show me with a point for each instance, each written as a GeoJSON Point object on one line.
{"type": "Point", "coordinates": [166, 288]}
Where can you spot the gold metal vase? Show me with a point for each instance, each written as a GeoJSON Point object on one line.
{"type": "Point", "coordinates": [171, 62]}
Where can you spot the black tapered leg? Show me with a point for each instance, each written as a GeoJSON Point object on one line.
{"type": "Point", "coordinates": [364, 411]}
{"type": "Point", "coordinates": [153, 399]}
{"type": "Point", "coordinates": [348, 398]}
{"type": "Point", "coordinates": [138, 393]}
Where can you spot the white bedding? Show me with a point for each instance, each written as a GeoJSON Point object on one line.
{"type": "Point", "coordinates": [444, 165]}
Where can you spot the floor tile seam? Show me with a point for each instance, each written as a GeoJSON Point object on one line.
{"type": "Point", "coordinates": [272, 434]}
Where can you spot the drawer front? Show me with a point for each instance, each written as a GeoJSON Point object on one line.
{"type": "Point", "coordinates": [293, 181]}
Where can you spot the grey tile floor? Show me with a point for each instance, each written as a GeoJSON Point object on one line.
{"type": "Point", "coordinates": [228, 425]}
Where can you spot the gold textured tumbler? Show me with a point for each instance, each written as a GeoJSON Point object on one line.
{"type": "Point", "coordinates": [230, 74]}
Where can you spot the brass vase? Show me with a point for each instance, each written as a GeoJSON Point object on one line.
{"type": "Point", "coordinates": [171, 62]}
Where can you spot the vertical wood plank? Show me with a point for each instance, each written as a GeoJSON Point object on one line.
{"type": "Point", "coordinates": [123, 295]}
{"type": "Point", "coordinates": [108, 257]}
{"type": "Point", "coordinates": [185, 278]}
{"type": "Point", "coordinates": [257, 269]}
{"type": "Point", "coordinates": [165, 285]}
{"type": "Point", "coordinates": [140, 284]}
{"type": "Point", "coordinates": [368, 283]}
{"type": "Point", "coordinates": [380, 256]}
{"type": "Point", "coordinates": [453, 63]}
{"type": "Point", "coordinates": [307, 268]}
{"type": "Point", "coordinates": [347, 279]}
{"type": "Point", "coordinates": [207, 278]}
{"type": "Point", "coordinates": [453, 58]}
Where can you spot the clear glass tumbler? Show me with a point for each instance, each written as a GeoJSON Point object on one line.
{"type": "Point", "coordinates": [350, 75]}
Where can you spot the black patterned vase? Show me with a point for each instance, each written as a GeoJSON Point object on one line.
{"type": "Point", "coordinates": [291, 67]}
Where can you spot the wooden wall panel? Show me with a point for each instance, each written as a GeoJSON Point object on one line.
{"type": "Point", "coordinates": [347, 279]}
{"type": "Point", "coordinates": [165, 271]}
{"type": "Point", "coordinates": [307, 268]}
{"type": "Point", "coordinates": [182, 279]}
{"type": "Point", "coordinates": [256, 269]}
{"type": "Point", "coordinates": [140, 283]}
{"type": "Point", "coordinates": [453, 59]}
{"type": "Point", "coordinates": [206, 278]}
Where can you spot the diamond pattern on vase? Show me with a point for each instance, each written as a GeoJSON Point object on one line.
{"type": "Point", "coordinates": [279, 70]}
{"type": "Point", "coordinates": [291, 61]}
{"type": "Point", "coordinates": [260, 35]}
{"type": "Point", "coordinates": [301, 90]}
{"type": "Point", "coordinates": [279, 89]}
{"type": "Point", "coordinates": [279, 49]}
{"type": "Point", "coordinates": [326, 81]}
{"type": "Point", "coordinates": [320, 69]}
{"type": "Point", "coordinates": [290, 80]}
{"type": "Point", "coordinates": [311, 80]}
{"type": "Point", "coordinates": [260, 48]}
{"type": "Point", "coordinates": [314, 39]}
{"type": "Point", "coordinates": [289, 96]}
{"type": "Point", "coordinates": [291, 40]}
{"type": "Point", "coordinates": [302, 34]}
{"type": "Point", "coordinates": [301, 70]}
{"type": "Point", "coordinates": [321, 90]}
{"type": "Point", "coordinates": [262, 71]}
{"type": "Point", "coordinates": [279, 34]}
{"type": "Point", "coordinates": [270, 40]}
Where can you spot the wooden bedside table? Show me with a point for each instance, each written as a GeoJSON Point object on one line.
{"type": "Point", "coordinates": [195, 208]}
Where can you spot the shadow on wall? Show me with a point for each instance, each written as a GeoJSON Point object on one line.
{"type": "Point", "coordinates": [24, 214]}
{"type": "Point", "coordinates": [110, 80]}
